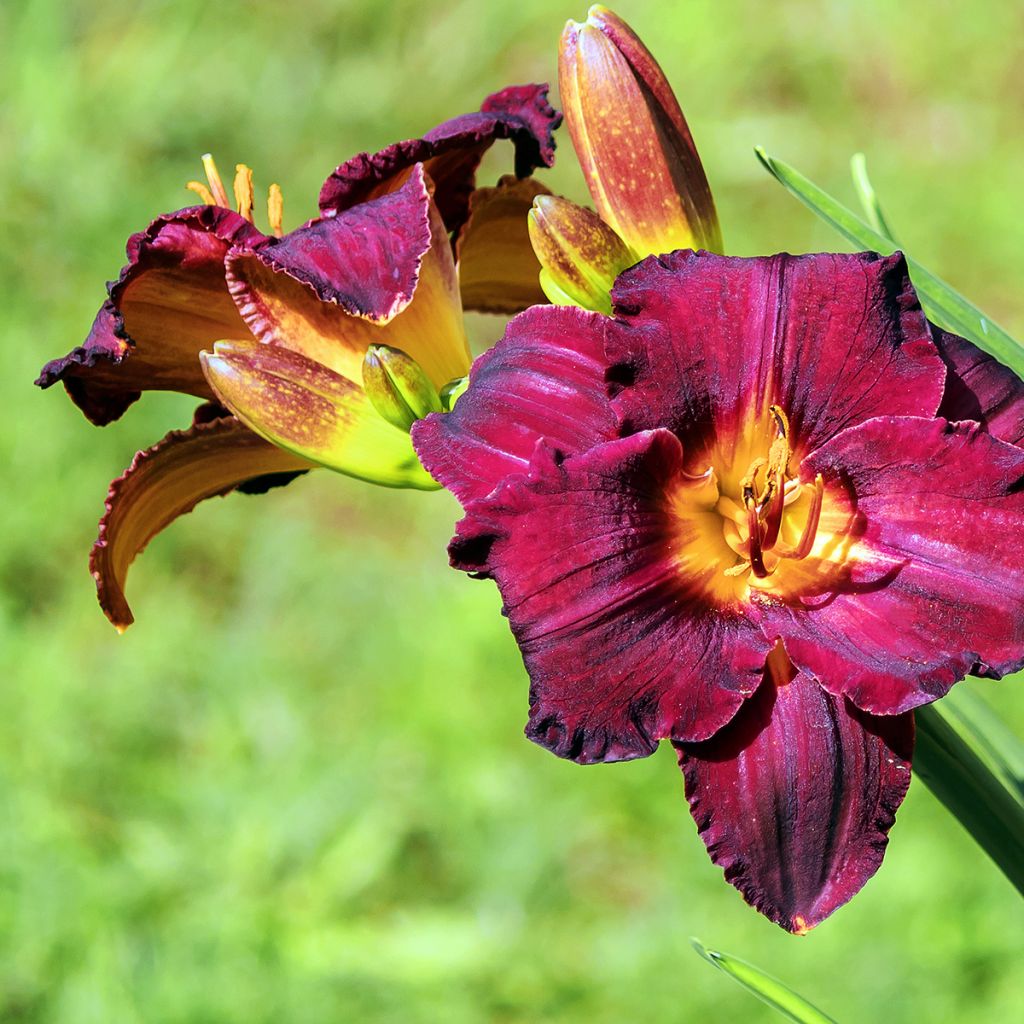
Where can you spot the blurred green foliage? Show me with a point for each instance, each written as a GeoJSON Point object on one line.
{"type": "Point", "coordinates": [297, 789]}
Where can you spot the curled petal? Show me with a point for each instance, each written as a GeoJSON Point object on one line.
{"type": "Point", "coordinates": [705, 344]}
{"type": "Point", "coordinates": [169, 301]}
{"type": "Point", "coordinates": [620, 651]}
{"type": "Point", "coordinates": [451, 153]}
{"type": "Point", "coordinates": [380, 273]}
{"type": "Point", "coordinates": [794, 798]}
{"type": "Point", "coordinates": [933, 585]}
{"type": "Point", "coordinates": [544, 379]}
{"type": "Point", "coordinates": [313, 412]}
{"type": "Point", "coordinates": [498, 272]}
{"type": "Point", "coordinates": [980, 388]}
{"type": "Point", "coordinates": [632, 140]}
{"type": "Point", "coordinates": [209, 459]}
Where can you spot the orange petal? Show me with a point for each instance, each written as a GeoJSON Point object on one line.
{"type": "Point", "coordinates": [169, 302]}
{"type": "Point", "coordinates": [168, 480]}
{"type": "Point", "coordinates": [498, 271]}
{"type": "Point", "coordinates": [632, 140]}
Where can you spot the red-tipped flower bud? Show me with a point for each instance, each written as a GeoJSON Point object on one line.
{"type": "Point", "coordinates": [632, 140]}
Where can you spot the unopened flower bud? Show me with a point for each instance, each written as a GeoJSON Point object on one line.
{"type": "Point", "coordinates": [632, 140]}
{"type": "Point", "coordinates": [580, 256]}
{"type": "Point", "coordinates": [398, 388]}
{"type": "Point", "coordinates": [306, 408]}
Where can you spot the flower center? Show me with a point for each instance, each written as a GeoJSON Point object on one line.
{"type": "Point", "coordinates": [217, 195]}
{"type": "Point", "coordinates": [741, 529]}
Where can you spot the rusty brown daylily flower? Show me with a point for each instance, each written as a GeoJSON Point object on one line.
{"type": "Point", "coordinates": [271, 330]}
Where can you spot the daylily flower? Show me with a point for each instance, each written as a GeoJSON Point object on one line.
{"type": "Point", "coordinates": [639, 160]}
{"type": "Point", "coordinates": [764, 512]}
{"type": "Point", "coordinates": [271, 331]}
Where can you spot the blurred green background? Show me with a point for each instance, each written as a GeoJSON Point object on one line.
{"type": "Point", "coordinates": [297, 789]}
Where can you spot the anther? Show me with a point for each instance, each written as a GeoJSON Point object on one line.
{"type": "Point", "coordinates": [243, 190]}
{"type": "Point", "coordinates": [275, 210]}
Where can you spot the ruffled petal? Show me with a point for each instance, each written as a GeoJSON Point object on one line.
{"type": "Point", "coordinates": [704, 344]}
{"type": "Point", "coordinates": [980, 388]}
{"type": "Point", "coordinates": [933, 582]}
{"type": "Point", "coordinates": [498, 271]}
{"type": "Point", "coordinates": [620, 651]}
{"type": "Point", "coordinates": [794, 798]}
{"type": "Point", "coordinates": [544, 379]}
{"type": "Point", "coordinates": [209, 459]}
{"type": "Point", "coordinates": [381, 273]}
{"type": "Point", "coordinates": [169, 302]}
{"type": "Point", "coordinates": [452, 152]}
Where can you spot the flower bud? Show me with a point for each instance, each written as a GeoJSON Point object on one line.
{"type": "Point", "coordinates": [306, 408]}
{"type": "Point", "coordinates": [398, 388]}
{"type": "Point", "coordinates": [580, 256]}
{"type": "Point", "coordinates": [632, 140]}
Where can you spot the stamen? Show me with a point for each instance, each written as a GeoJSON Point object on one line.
{"type": "Point", "coordinates": [803, 548]}
{"type": "Point", "coordinates": [773, 514]}
{"type": "Point", "coordinates": [202, 191]}
{"type": "Point", "coordinates": [216, 185]}
{"type": "Point", "coordinates": [243, 190]}
{"type": "Point", "coordinates": [275, 210]}
{"type": "Point", "coordinates": [779, 452]}
{"type": "Point", "coordinates": [748, 485]}
{"type": "Point", "coordinates": [754, 529]}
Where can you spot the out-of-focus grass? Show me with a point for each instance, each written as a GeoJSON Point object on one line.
{"type": "Point", "coordinates": [297, 789]}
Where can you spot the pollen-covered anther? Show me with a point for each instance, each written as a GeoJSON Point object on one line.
{"type": "Point", "coordinates": [215, 194]}
{"type": "Point", "coordinates": [243, 190]}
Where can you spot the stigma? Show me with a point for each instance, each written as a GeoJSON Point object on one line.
{"type": "Point", "coordinates": [215, 194]}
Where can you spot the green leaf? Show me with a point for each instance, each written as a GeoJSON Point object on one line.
{"type": "Point", "coordinates": [971, 771]}
{"type": "Point", "coordinates": [868, 197]}
{"type": "Point", "coordinates": [943, 304]}
{"type": "Point", "coordinates": [768, 989]}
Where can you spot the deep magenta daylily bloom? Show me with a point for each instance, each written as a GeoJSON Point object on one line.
{"type": "Point", "coordinates": [763, 512]}
{"type": "Point", "coordinates": [290, 317]}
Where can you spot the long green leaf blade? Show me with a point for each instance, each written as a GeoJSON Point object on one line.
{"type": "Point", "coordinates": [941, 302]}
{"type": "Point", "coordinates": [768, 989]}
{"type": "Point", "coordinates": [869, 198]}
{"type": "Point", "coordinates": [948, 756]}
